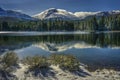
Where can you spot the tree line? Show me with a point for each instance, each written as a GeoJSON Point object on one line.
{"type": "Point", "coordinates": [91, 24]}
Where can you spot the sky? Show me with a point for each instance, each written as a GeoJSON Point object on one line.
{"type": "Point", "coordinates": [32, 7]}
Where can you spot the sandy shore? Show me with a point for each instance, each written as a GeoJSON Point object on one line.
{"type": "Point", "coordinates": [55, 73]}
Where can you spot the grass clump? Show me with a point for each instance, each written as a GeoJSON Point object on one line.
{"type": "Point", "coordinates": [8, 64]}
{"type": "Point", "coordinates": [9, 60]}
{"type": "Point", "coordinates": [36, 62]}
{"type": "Point", "coordinates": [65, 61]}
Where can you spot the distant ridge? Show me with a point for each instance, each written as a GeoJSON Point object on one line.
{"type": "Point", "coordinates": [53, 13]}
{"type": "Point", "coordinates": [14, 14]}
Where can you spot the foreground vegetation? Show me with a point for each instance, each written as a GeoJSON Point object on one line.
{"type": "Point", "coordinates": [36, 62]}
{"type": "Point", "coordinates": [8, 64]}
{"type": "Point", "coordinates": [8, 61]}
{"type": "Point", "coordinates": [67, 62]}
{"type": "Point", "coordinates": [41, 65]}
{"type": "Point", "coordinates": [36, 65]}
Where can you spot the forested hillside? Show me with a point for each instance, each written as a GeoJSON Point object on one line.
{"type": "Point", "coordinates": [90, 24]}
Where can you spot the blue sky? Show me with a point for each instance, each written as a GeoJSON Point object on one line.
{"type": "Point", "coordinates": [32, 7]}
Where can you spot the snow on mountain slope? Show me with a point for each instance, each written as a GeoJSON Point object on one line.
{"type": "Point", "coordinates": [14, 14]}
{"type": "Point", "coordinates": [53, 13]}
{"type": "Point", "coordinates": [83, 15]}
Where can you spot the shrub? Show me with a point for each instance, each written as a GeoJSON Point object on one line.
{"type": "Point", "coordinates": [55, 59]}
{"type": "Point", "coordinates": [7, 63]}
{"type": "Point", "coordinates": [10, 59]}
{"type": "Point", "coordinates": [36, 62]}
{"type": "Point", "coordinates": [67, 62]}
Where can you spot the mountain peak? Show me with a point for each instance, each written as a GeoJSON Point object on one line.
{"type": "Point", "coordinates": [53, 13]}
{"type": "Point", "coordinates": [51, 9]}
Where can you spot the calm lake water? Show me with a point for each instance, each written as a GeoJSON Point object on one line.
{"type": "Point", "coordinates": [98, 49]}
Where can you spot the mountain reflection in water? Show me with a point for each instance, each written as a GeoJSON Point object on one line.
{"type": "Point", "coordinates": [101, 49]}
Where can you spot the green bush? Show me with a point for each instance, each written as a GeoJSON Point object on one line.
{"type": "Point", "coordinates": [36, 62]}
{"type": "Point", "coordinates": [67, 62]}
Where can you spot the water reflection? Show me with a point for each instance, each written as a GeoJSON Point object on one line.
{"type": "Point", "coordinates": [101, 49]}
{"type": "Point", "coordinates": [100, 40]}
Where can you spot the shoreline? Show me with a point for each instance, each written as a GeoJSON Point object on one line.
{"type": "Point", "coordinates": [57, 74]}
{"type": "Point", "coordinates": [35, 33]}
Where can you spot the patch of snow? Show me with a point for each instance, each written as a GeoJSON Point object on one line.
{"type": "Point", "coordinates": [104, 74]}
{"type": "Point", "coordinates": [82, 15]}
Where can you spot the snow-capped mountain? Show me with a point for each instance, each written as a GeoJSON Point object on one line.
{"type": "Point", "coordinates": [83, 15]}
{"type": "Point", "coordinates": [53, 13]}
{"type": "Point", "coordinates": [14, 14]}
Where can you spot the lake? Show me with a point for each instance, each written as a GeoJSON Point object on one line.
{"type": "Point", "coordinates": [93, 49]}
